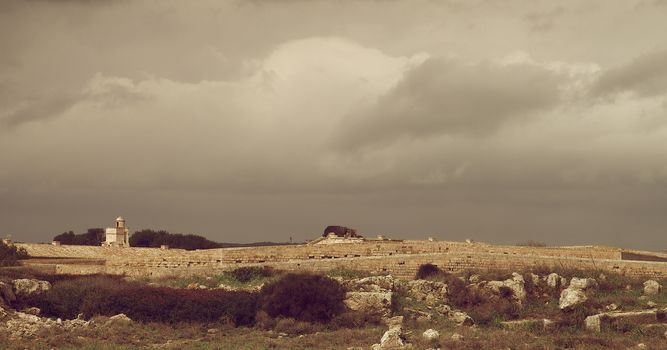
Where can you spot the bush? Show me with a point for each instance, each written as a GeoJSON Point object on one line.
{"type": "Point", "coordinates": [429, 271]}
{"type": "Point", "coordinates": [106, 296]}
{"type": "Point", "coordinates": [93, 237]}
{"type": "Point", "coordinates": [247, 274]}
{"type": "Point", "coordinates": [10, 254]}
{"type": "Point", "coordinates": [303, 297]}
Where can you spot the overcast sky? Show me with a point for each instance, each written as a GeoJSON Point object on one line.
{"type": "Point", "coordinates": [498, 121]}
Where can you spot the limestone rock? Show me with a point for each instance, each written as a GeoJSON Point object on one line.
{"type": "Point", "coordinates": [570, 298]}
{"type": "Point", "coordinates": [552, 280]}
{"type": "Point", "coordinates": [117, 319]}
{"type": "Point", "coordinates": [393, 338]}
{"type": "Point", "coordinates": [378, 303]}
{"type": "Point", "coordinates": [651, 304]}
{"type": "Point", "coordinates": [594, 323]}
{"type": "Point", "coordinates": [583, 283]}
{"type": "Point", "coordinates": [516, 283]}
{"type": "Point", "coordinates": [534, 278]}
{"type": "Point", "coordinates": [371, 284]}
{"type": "Point", "coordinates": [24, 286]}
{"type": "Point", "coordinates": [652, 287]}
{"type": "Point", "coordinates": [394, 321]}
{"type": "Point", "coordinates": [429, 292]}
{"type": "Point", "coordinates": [431, 334]}
{"type": "Point", "coordinates": [461, 318]}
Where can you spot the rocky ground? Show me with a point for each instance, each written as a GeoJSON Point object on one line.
{"type": "Point", "coordinates": [520, 311]}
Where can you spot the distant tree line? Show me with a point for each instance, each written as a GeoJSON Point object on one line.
{"type": "Point", "coordinates": [94, 236]}
{"type": "Point", "coordinates": [152, 238]}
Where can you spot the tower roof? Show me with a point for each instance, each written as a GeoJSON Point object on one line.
{"type": "Point", "coordinates": [120, 218]}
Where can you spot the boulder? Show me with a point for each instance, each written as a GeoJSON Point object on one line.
{"type": "Point", "coordinates": [117, 320]}
{"type": "Point", "coordinates": [429, 292]}
{"type": "Point", "coordinates": [371, 284]}
{"type": "Point", "coordinates": [652, 287]}
{"type": "Point", "coordinates": [616, 319]}
{"type": "Point", "coordinates": [25, 287]}
{"type": "Point", "coordinates": [553, 280]}
{"type": "Point", "coordinates": [377, 303]}
{"type": "Point", "coordinates": [570, 298]}
{"type": "Point", "coordinates": [431, 334]}
{"type": "Point", "coordinates": [583, 283]}
{"type": "Point", "coordinates": [461, 318]}
{"type": "Point", "coordinates": [393, 338]}
{"type": "Point", "coordinates": [516, 283]}
{"type": "Point", "coordinates": [534, 278]}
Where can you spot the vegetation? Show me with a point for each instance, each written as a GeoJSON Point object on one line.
{"type": "Point", "coordinates": [10, 254]}
{"type": "Point", "coordinates": [303, 297]}
{"type": "Point", "coordinates": [107, 296]}
{"type": "Point", "coordinates": [289, 306]}
{"type": "Point", "coordinates": [155, 239]}
{"type": "Point", "coordinates": [94, 237]}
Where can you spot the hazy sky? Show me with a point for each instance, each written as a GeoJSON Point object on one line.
{"type": "Point", "coordinates": [499, 121]}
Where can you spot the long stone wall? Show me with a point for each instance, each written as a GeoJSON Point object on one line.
{"type": "Point", "coordinates": [399, 258]}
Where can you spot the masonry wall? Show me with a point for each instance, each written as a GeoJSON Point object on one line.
{"type": "Point", "coordinates": [399, 258]}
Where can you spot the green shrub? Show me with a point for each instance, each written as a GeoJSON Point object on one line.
{"type": "Point", "coordinates": [429, 271]}
{"type": "Point", "coordinates": [303, 297]}
{"type": "Point", "coordinates": [247, 274]}
{"type": "Point", "coordinates": [106, 296]}
{"type": "Point", "coordinates": [10, 254]}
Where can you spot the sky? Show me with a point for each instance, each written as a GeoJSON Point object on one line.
{"type": "Point", "coordinates": [499, 121]}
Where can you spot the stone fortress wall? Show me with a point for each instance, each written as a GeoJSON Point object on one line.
{"type": "Point", "coordinates": [399, 258]}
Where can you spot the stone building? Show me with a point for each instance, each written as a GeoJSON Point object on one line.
{"type": "Point", "coordinates": [118, 236]}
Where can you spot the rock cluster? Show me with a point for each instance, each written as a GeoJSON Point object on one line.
{"type": "Point", "coordinates": [575, 293]}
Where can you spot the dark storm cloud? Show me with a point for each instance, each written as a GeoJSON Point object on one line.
{"type": "Point", "coordinates": [447, 96]}
{"type": "Point", "coordinates": [645, 76]}
{"type": "Point", "coordinates": [36, 110]}
{"type": "Point", "coordinates": [257, 120]}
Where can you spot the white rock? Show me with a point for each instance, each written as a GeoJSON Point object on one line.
{"type": "Point", "coordinates": [377, 303]}
{"type": "Point", "coordinates": [593, 323]}
{"type": "Point", "coordinates": [457, 337]}
{"type": "Point", "coordinates": [429, 292]}
{"type": "Point", "coordinates": [392, 339]}
{"type": "Point", "coordinates": [516, 283]}
{"type": "Point", "coordinates": [652, 287]}
{"type": "Point", "coordinates": [552, 280]}
{"type": "Point", "coordinates": [24, 286]}
{"type": "Point", "coordinates": [461, 318]}
{"type": "Point", "coordinates": [583, 283]}
{"type": "Point", "coordinates": [570, 298]}
{"type": "Point", "coordinates": [431, 334]}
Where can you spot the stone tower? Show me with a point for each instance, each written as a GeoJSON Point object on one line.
{"type": "Point", "coordinates": [117, 236]}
